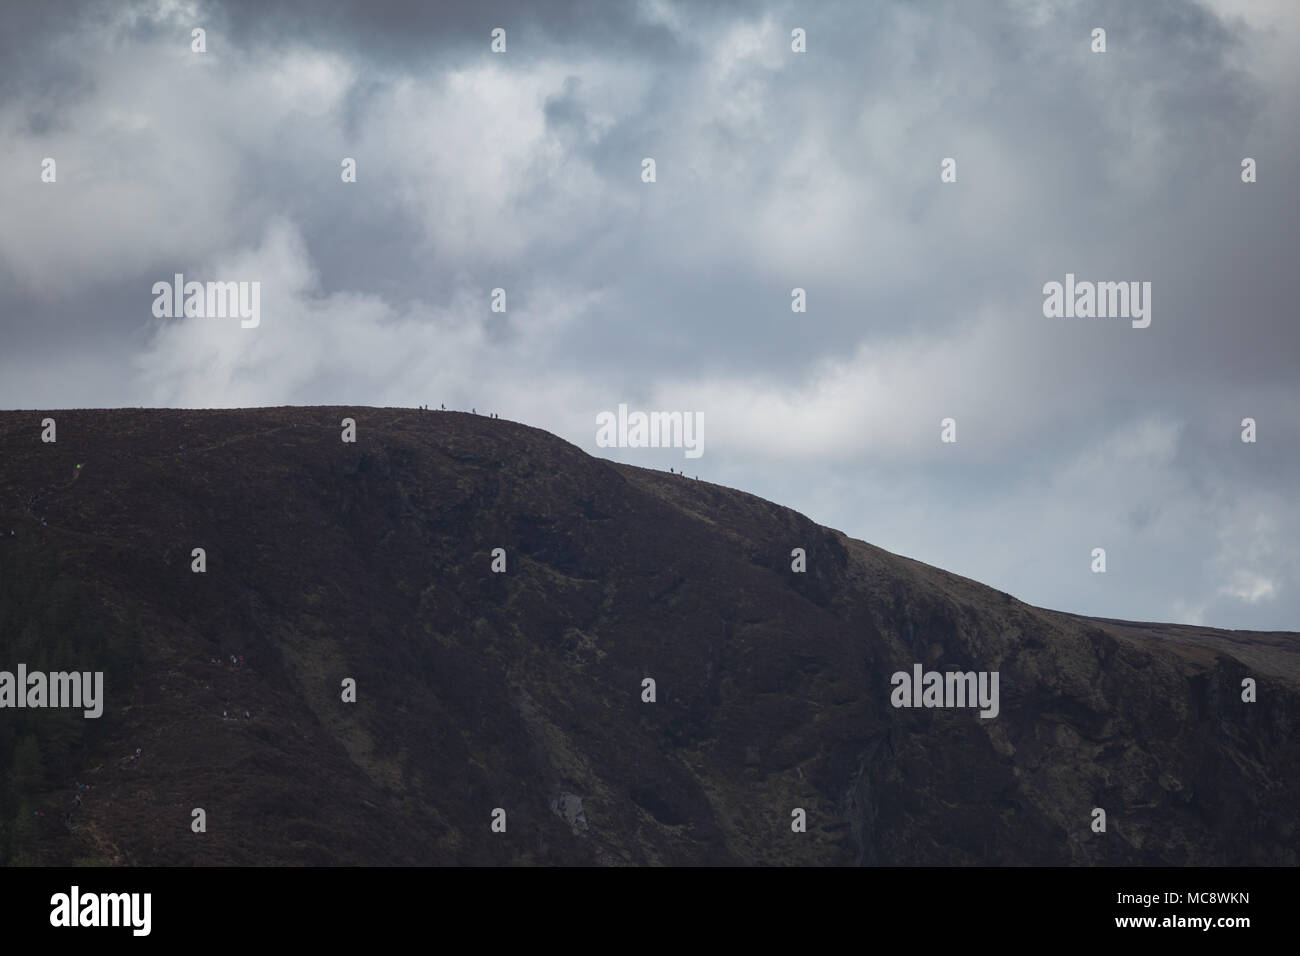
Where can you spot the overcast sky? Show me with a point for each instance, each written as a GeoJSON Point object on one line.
{"type": "Point", "coordinates": [774, 170]}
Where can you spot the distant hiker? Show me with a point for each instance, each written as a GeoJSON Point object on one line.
{"type": "Point", "coordinates": [444, 407]}
{"type": "Point", "coordinates": [43, 524]}
{"type": "Point", "coordinates": [241, 661]}
{"type": "Point", "coordinates": [225, 715]}
{"type": "Point", "coordinates": [473, 411]}
{"type": "Point", "coordinates": [77, 800]}
{"type": "Point", "coordinates": [138, 751]}
{"type": "Point", "coordinates": [247, 715]}
{"type": "Point", "coordinates": [233, 662]}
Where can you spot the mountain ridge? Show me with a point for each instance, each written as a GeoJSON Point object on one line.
{"type": "Point", "coordinates": [522, 690]}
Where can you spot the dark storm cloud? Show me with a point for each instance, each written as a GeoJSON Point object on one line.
{"type": "Point", "coordinates": [414, 33]}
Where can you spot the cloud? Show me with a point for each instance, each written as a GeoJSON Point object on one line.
{"type": "Point", "coordinates": [776, 170]}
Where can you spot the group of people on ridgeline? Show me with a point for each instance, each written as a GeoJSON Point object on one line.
{"type": "Point", "coordinates": [82, 789]}
{"type": "Point", "coordinates": [443, 408]}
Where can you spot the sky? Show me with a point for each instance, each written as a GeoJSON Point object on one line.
{"type": "Point", "coordinates": [775, 170]}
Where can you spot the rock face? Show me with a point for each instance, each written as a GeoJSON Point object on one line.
{"type": "Point", "coordinates": [523, 690]}
{"type": "Point", "coordinates": [569, 807]}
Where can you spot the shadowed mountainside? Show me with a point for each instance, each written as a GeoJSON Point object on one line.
{"type": "Point", "coordinates": [522, 690]}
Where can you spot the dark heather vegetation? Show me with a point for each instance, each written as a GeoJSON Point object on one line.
{"type": "Point", "coordinates": [522, 690]}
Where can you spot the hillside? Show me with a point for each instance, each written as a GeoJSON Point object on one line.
{"type": "Point", "coordinates": [523, 690]}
